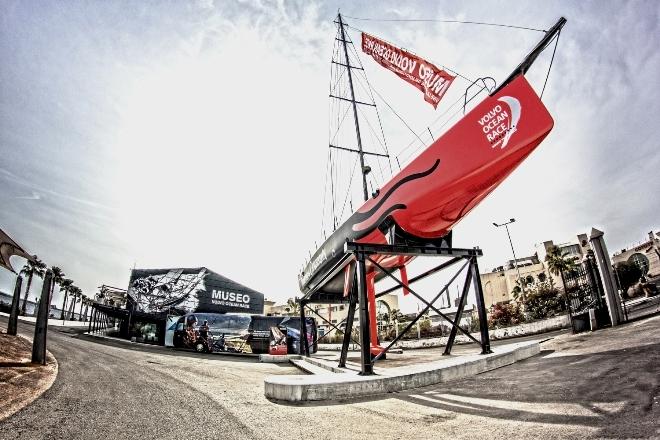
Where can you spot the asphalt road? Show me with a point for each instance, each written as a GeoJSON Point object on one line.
{"type": "Point", "coordinates": [597, 385]}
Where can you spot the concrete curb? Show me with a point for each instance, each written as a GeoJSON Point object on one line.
{"type": "Point", "coordinates": [332, 386]}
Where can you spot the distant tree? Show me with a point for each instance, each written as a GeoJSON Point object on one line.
{"type": "Point", "coordinates": [58, 277]}
{"type": "Point", "coordinates": [75, 294]}
{"type": "Point", "coordinates": [292, 306]}
{"type": "Point", "coordinates": [542, 277]}
{"type": "Point", "coordinates": [629, 274]}
{"type": "Point", "coordinates": [83, 300]}
{"type": "Point", "coordinates": [65, 286]}
{"type": "Point", "coordinates": [87, 302]}
{"type": "Point", "coordinates": [31, 268]}
{"type": "Point", "coordinates": [558, 262]}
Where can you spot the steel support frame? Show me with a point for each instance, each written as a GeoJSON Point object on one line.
{"type": "Point", "coordinates": [303, 345]}
{"type": "Point", "coordinates": [363, 253]}
{"type": "Point", "coordinates": [335, 327]}
{"type": "Point", "coordinates": [348, 330]}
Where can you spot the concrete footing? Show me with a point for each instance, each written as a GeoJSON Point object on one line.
{"type": "Point", "coordinates": [332, 386]}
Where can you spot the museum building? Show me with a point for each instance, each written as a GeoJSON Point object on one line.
{"type": "Point", "coordinates": [153, 295]}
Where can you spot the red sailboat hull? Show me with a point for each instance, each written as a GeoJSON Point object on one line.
{"type": "Point", "coordinates": [443, 184]}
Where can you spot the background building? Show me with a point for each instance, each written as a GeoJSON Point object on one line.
{"type": "Point", "coordinates": [645, 254]}
{"type": "Point", "coordinates": [498, 285]}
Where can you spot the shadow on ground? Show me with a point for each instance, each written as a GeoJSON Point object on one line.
{"type": "Point", "coordinates": [605, 390]}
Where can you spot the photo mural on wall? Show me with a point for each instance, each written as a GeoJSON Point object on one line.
{"type": "Point", "coordinates": [190, 290]}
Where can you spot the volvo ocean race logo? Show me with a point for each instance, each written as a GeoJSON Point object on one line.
{"type": "Point", "coordinates": [500, 123]}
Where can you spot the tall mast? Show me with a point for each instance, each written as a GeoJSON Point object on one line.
{"type": "Point", "coordinates": [355, 113]}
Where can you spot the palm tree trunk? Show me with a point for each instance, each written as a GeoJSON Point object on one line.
{"type": "Point", "coordinates": [66, 294]}
{"type": "Point", "coordinates": [25, 298]}
{"type": "Point", "coordinates": [80, 311]}
{"type": "Point", "coordinates": [73, 303]}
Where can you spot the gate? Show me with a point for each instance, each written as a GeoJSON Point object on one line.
{"type": "Point", "coordinates": [584, 290]}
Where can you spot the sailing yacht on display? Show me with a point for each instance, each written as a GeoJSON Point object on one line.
{"type": "Point", "coordinates": [421, 203]}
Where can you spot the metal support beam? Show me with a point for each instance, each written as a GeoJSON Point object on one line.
{"type": "Point", "coordinates": [335, 327]}
{"type": "Point", "coordinates": [303, 343]}
{"type": "Point", "coordinates": [357, 151]}
{"type": "Point", "coordinates": [412, 250]}
{"type": "Point", "coordinates": [347, 65]}
{"type": "Point", "coordinates": [367, 367]}
{"type": "Point", "coordinates": [41, 325]}
{"type": "Point", "coordinates": [12, 326]}
{"type": "Point", "coordinates": [481, 307]}
{"type": "Point", "coordinates": [421, 276]}
{"type": "Point", "coordinates": [455, 325]}
{"type": "Point", "coordinates": [350, 316]}
{"type": "Point", "coordinates": [430, 304]}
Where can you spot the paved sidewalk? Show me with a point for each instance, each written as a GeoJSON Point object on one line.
{"type": "Point", "coordinates": [51, 321]}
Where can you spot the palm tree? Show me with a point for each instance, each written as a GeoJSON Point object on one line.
{"type": "Point", "coordinates": [31, 268]}
{"type": "Point", "coordinates": [292, 306]}
{"type": "Point", "coordinates": [90, 301]}
{"type": "Point", "coordinates": [65, 286]}
{"type": "Point", "coordinates": [558, 263]}
{"type": "Point", "coordinates": [75, 294]}
{"type": "Point", "coordinates": [58, 277]}
{"type": "Point", "coordinates": [83, 300]}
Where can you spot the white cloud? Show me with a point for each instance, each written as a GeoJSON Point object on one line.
{"type": "Point", "coordinates": [196, 134]}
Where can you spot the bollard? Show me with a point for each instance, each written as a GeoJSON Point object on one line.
{"type": "Point", "coordinates": [41, 326]}
{"type": "Point", "coordinates": [12, 327]}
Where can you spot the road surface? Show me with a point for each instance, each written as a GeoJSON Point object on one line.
{"type": "Point", "coordinates": [595, 385]}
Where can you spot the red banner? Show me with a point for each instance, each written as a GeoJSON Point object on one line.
{"type": "Point", "coordinates": [430, 79]}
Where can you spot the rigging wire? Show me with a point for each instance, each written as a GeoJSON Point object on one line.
{"type": "Point", "coordinates": [431, 20]}
{"type": "Point", "coordinates": [550, 66]}
{"type": "Point", "coordinates": [448, 119]}
{"type": "Point", "coordinates": [350, 182]}
{"type": "Point", "coordinates": [325, 193]}
{"type": "Point", "coordinates": [432, 123]}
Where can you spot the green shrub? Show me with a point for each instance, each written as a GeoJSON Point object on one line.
{"type": "Point", "coordinates": [504, 315]}
{"type": "Point", "coordinates": [544, 302]}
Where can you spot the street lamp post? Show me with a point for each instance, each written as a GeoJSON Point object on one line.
{"type": "Point", "coordinates": [515, 261]}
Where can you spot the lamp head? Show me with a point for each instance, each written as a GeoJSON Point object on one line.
{"type": "Point", "coordinates": [495, 224]}
{"type": "Point", "coordinates": [512, 220]}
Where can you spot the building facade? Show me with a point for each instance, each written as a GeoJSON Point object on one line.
{"type": "Point", "coordinates": [645, 254]}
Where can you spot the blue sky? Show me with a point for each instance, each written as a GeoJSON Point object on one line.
{"type": "Point", "coordinates": [177, 134]}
